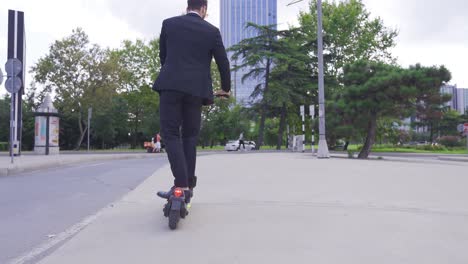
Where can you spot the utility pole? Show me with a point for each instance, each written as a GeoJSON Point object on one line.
{"type": "Point", "coordinates": [323, 146]}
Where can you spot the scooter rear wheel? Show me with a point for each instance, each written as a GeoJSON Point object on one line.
{"type": "Point", "coordinates": [174, 217]}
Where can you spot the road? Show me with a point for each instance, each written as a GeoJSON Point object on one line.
{"type": "Point", "coordinates": [37, 205]}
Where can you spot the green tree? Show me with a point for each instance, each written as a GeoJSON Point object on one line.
{"type": "Point", "coordinates": [222, 120]}
{"type": "Point", "coordinates": [81, 76]}
{"type": "Point", "coordinates": [388, 131]}
{"type": "Point", "coordinates": [258, 54]}
{"type": "Point", "coordinates": [375, 90]}
{"type": "Point", "coordinates": [449, 122]}
{"type": "Point", "coordinates": [350, 34]}
{"type": "Point", "coordinates": [139, 65]}
{"type": "Point", "coordinates": [5, 118]}
{"type": "Point", "coordinates": [29, 107]}
{"type": "Point", "coordinates": [430, 101]}
{"type": "Point", "coordinates": [292, 83]}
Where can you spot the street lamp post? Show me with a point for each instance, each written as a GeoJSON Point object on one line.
{"type": "Point", "coordinates": [323, 146]}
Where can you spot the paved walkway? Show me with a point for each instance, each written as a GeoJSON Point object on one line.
{"type": "Point", "coordinates": [288, 208]}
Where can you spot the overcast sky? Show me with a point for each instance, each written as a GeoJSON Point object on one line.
{"type": "Point", "coordinates": [432, 32]}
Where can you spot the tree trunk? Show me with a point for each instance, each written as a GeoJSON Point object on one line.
{"type": "Point", "coordinates": [281, 127]}
{"type": "Point", "coordinates": [261, 128]}
{"type": "Point", "coordinates": [431, 129]}
{"type": "Point", "coordinates": [371, 131]}
{"type": "Point", "coordinates": [82, 132]}
{"type": "Point", "coordinates": [345, 148]}
{"type": "Point", "coordinates": [135, 133]}
{"type": "Point", "coordinates": [332, 141]}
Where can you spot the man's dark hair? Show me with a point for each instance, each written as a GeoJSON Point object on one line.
{"type": "Point", "coordinates": [196, 4]}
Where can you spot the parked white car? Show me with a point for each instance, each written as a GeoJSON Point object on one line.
{"type": "Point", "coordinates": [233, 145]}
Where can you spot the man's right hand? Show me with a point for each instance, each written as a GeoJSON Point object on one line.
{"type": "Point", "coordinates": [222, 94]}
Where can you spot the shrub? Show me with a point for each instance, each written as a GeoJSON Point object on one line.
{"type": "Point", "coordinates": [450, 141]}
{"type": "Point", "coordinates": [3, 146]}
{"type": "Point", "coordinates": [431, 147]}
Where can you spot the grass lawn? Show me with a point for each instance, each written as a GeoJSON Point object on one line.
{"type": "Point", "coordinates": [411, 150]}
{"type": "Point", "coordinates": [214, 148]}
{"type": "Point", "coordinates": [375, 149]}
{"type": "Point", "coordinates": [218, 148]}
{"type": "Point", "coordinates": [386, 148]}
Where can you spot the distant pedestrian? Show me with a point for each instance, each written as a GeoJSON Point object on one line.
{"type": "Point", "coordinates": [241, 141]}
{"type": "Point", "coordinates": [158, 143]}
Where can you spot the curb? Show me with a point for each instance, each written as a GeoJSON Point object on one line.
{"type": "Point", "coordinates": [457, 159]}
{"type": "Point", "coordinates": [405, 159]}
{"type": "Point", "coordinates": [63, 161]}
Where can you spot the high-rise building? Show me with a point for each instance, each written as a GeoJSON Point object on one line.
{"type": "Point", "coordinates": [235, 14]}
{"type": "Point", "coordinates": [462, 100]}
{"type": "Point", "coordinates": [451, 90]}
{"type": "Point", "coordinates": [459, 100]}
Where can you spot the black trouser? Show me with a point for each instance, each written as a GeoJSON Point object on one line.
{"type": "Point", "coordinates": [180, 116]}
{"type": "Point", "coordinates": [241, 142]}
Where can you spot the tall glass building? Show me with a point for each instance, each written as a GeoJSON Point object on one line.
{"type": "Point", "coordinates": [462, 98]}
{"type": "Point", "coordinates": [451, 90]}
{"type": "Point", "coordinates": [235, 14]}
{"type": "Point", "coordinates": [459, 100]}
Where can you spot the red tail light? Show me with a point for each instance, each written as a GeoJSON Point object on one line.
{"type": "Point", "coordinates": [178, 192]}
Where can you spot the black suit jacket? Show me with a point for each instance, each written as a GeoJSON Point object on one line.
{"type": "Point", "coordinates": [187, 45]}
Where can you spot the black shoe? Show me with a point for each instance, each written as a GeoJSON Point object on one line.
{"type": "Point", "coordinates": [192, 183]}
{"type": "Point", "coordinates": [188, 196]}
{"type": "Point", "coordinates": [166, 195]}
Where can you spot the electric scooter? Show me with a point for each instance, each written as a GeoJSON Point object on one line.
{"type": "Point", "coordinates": [177, 206]}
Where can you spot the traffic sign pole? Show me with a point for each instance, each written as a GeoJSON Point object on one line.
{"type": "Point", "coordinates": [312, 115]}
{"type": "Point", "coordinates": [13, 84]}
{"type": "Point", "coordinates": [12, 127]}
{"type": "Point", "coordinates": [303, 127]}
{"type": "Point", "coordinates": [15, 68]}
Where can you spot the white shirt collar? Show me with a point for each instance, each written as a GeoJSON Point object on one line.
{"type": "Point", "coordinates": [194, 12]}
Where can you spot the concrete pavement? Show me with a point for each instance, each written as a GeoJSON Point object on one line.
{"type": "Point", "coordinates": [287, 208]}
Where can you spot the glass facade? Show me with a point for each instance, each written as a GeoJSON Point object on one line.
{"type": "Point", "coordinates": [462, 100]}
{"type": "Point", "coordinates": [459, 100]}
{"type": "Point", "coordinates": [235, 14]}
{"type": "Point", "coordinates": [451, 90]}
{"type": "Point", "coordinates": [465, 91]}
